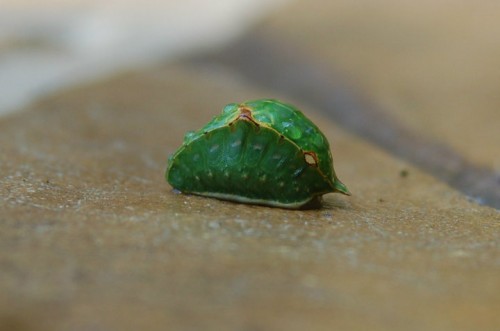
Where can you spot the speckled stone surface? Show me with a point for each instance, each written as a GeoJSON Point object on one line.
{"type": "Point", "coordinates": [93, 238]}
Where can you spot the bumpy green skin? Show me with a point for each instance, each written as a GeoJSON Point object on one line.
{"type": "Point", "coordinates": [261, 152]}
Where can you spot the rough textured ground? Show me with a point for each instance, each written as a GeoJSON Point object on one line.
{"type": "Point", "coordinates": [94, 239]}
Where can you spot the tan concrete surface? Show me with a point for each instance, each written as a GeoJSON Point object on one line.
{"type": "Point", "coordinates": [93, 238]}
{"type": "Point", "coordinates": [431, 64]}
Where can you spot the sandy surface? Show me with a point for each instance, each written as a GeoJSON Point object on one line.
{"type": "Point", "coordinates": [93, 238]}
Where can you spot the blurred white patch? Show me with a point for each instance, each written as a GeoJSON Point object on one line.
{"type": "Point", "coordinates": [50, 44]}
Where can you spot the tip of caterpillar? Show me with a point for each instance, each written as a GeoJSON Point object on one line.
{"type": "Point", "coordinates": [340, 187]}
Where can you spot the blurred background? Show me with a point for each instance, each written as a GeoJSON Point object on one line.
{"type": "Point", "coordinates": [46, 45]}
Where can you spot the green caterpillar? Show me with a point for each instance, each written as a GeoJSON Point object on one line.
{"type": "Point", "coordinates": [260, 152]}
